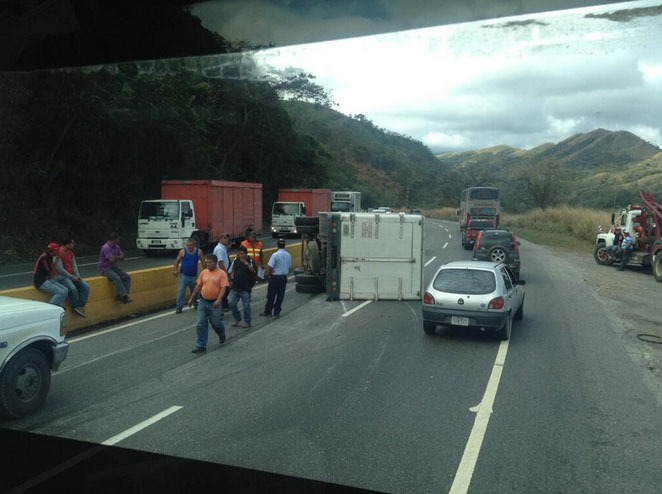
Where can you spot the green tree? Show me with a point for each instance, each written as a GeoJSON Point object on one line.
{"type": "Point", "coordinates": [543, 182]}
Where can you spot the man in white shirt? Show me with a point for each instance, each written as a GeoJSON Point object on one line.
{"type": "Point", "coordinates": [278, 267]}
{"type": "Point", "coordinates": [221, 253]}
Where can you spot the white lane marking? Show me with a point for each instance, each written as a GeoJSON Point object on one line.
{"type": "Point", "coordinates": [450, 236]}
{"type": "Point", "coordinates": [75, 460]}
{"type": "Point", "coordinates": [123, 350]}
{"type": "Point", "coordinates": [142, 425]}
{"type": "Point", "coordinates": [433, 258]}
{"type": "Point", "coordinates": [445, 228]}
{"type": "Point", "coordinates": [139, 321]}
{"type": "Point", "coordinates": [358, 307]}
{"type": "Point", "coordinates": [445, 245]}
{"type": "Point", "coordinates": [472, 449]}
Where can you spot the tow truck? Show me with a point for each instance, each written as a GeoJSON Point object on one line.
{"type": "Point", "coordinates": [644, 223]}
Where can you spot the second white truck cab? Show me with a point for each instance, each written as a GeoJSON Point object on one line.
{"type": "Point", "coordinates": [282, 217]}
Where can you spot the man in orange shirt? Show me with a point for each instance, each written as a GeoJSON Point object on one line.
{"type": "Point", "coordinates": [212, 285]}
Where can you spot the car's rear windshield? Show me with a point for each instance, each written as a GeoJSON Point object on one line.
{"type": "Point", "coordinates": [481, 224]}
{"type": "Point", "coordinates": [466, 281]}
{"type": "Point", "coordinates": [501, 236]}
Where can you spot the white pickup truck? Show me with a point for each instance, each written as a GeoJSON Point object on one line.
{"type": "Point", "coordinates": [31, 346]}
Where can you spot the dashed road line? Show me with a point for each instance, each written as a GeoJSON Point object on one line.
{"type": "Point", "coordinates": [358, 307]}
{"type": "Point", "coordinates": [445, 245]}
{"type": "Point", "coordinates": [433, 258]}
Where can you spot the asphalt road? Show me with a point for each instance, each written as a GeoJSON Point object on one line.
{"type": "Point", "coordinates": [19, 275]}
{"type": "Point", "coordinates": [366, 399]}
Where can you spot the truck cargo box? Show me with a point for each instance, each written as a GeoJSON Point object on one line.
{"type": "Point", "coordinates": [373, 256]}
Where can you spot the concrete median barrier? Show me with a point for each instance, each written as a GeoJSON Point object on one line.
{"type": "Point", "coordinates": [151, 289]}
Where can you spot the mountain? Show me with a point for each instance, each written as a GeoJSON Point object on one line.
{"type": "Point", "coordinates": [388, 168]}
{"type": "Point", "coordinates": [601, 168]}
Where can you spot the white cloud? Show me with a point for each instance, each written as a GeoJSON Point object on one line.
{"type": "Point", "coordinates": [518, 82]}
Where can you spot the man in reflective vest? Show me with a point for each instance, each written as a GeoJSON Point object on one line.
{"type": "Point", "coordinates": [254, 250]}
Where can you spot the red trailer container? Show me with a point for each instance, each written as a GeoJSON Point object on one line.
{"type": "Point", "coordinates": [315, 200]}
{"type": "Point", "coordinates": [220, 207]}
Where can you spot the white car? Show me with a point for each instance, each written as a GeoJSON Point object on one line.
{"type": "Point", "coordinates": [480, 294]}
{"type": "Point", "coordinates": [31, 346]}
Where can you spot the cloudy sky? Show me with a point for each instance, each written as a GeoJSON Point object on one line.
{"type": "Point", "coordinates": [520, 81]}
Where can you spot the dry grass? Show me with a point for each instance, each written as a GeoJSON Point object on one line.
{"type": "Point", "coordinates": [574, 228]}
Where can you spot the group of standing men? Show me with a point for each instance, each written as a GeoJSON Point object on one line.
{"type": "Point", "coordinates": [222, 284]}
{"type": "Point", "coordinates": [56, 273]}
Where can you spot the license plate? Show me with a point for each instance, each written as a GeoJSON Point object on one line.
{"type": "Point", "coordinates": [460, 321]}
{"type": "Point", "coordinates": [156, 242]}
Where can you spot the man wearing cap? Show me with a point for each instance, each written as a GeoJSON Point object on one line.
{"type": "Point", "coordinates": [254, 249]}
{"type": "Point", "coordinates": [277, 269]}
{"type": "Point", "coordinates": [109, 258]}
{"type": "Point", "coordinates": [43, 276]}
{"type": "Point", "coordinates": [627, 246]}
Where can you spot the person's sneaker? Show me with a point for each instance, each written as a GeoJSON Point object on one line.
{"type": "Point", "coordinates": [178, 310]}
{"type": "Point", "coordinates": [80, 311]}
{"type": "Point", "coordinates": [246, 325]}
{"type": "Point", "coordinates": [221, 340]}
{"type": "Point", "coordinates": [236, 323]}
{"type": "Point", "coordinates": [126, 299]}
{"type": "Point", "coordinates": [199, 349]}
{"type": "Point", "coordinates": [276, 315]}
{"type": "Point", "coordinates": [264, 314]}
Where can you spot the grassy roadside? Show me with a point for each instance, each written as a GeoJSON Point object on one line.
{"type": "Point", "coordinates": [566, 228]}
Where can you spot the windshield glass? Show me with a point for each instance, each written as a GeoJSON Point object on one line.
{"type": "Point", "coordinates": [341, 206]}
{"type": "Point", "coordinates": [465, 281]}
{"type": "Point", "coordinates": [159, 211]}
{"type": "Point", "coordinates": [282, 208]}
{"type": "Point", "coordinates": [484, 194]}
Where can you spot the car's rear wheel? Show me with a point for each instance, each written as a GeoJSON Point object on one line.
{"type": "Point", "coordinates": [429, 327]}
{"type": "Point", "coordinates": [24, 383]}
{"type": "Point", "coordinates": [504, 332]}
{"type": "Point", "coordinates": [519, 315]}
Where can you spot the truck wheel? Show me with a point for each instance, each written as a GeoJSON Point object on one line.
{"type": "Point", "coordinates": [657, 267]}
{"type": "Point", "coordinates": [318, 288]}
{"type": "Point", "coordinates": [308, 229]}
{"type": "Point", "coordinates": [307, 221]}
{"type": "Point", "coordinates": [601, 256]}
{"type": "Point", "coordinates": [307, 279]}
{"type": "Point", "coordinates": [314, 256]}
{"type": "Point", "coordinates": [429, 327]}
{"type": "Point", "coordinates": [24, 383]}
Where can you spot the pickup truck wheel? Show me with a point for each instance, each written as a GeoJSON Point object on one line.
{"type": "Point", "coordinates": [301, 288]}
{"type": "Point", "coordinates": [24, 383]}
{"type": "Point", "coordinates": [657, 267]}
{"type": "Point", "coordinates": [429, 327]}
{"type": "Point", "coordinates": [601, 256]}
{"type": "Point", "coordinates": [504, 333]}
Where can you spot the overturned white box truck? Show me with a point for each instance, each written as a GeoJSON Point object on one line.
{"type": "Point", "coordinates": [363, 256]}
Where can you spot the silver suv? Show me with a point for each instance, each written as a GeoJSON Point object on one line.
{"type": "Point", "coordinates": [481, 294]}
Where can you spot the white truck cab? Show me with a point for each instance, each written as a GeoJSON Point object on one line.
{"type": "Point", "coordinates": [31, 346]}
{"type": "Point", "coordinates": [282, 217]}
{"type": "Point", "coordinates": [165, 224]}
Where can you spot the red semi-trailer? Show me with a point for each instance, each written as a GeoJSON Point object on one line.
{"type": "Point", "coordinates": [198, 209]}
{"type": "Point", "coordinates": [297, 202]}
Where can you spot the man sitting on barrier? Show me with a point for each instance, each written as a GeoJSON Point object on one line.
{"type": "Point", "coordinates": [109, 258]}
